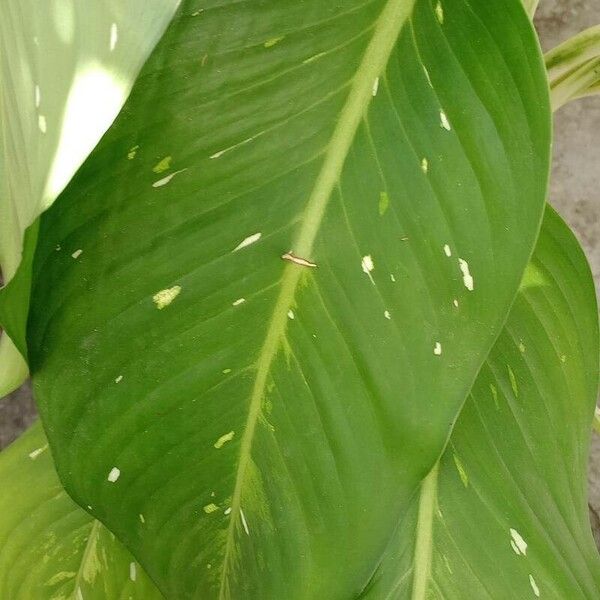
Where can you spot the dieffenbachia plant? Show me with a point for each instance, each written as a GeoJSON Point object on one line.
{"type": "Point", "coordinates": [302, 326]}
{"type": "Point", "coordinates": [65, 70]}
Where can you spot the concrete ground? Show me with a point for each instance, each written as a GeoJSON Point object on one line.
{"type": "Point", "coordinates": [575, 192]}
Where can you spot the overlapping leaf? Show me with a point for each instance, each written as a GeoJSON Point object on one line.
{"type": "Point", "coordinates": [504, 515]}
{"type": "Point", "coordinates": [574, 67]}
{"type": "Point", "coordinates": [65, 70]}
{"type": "Point", "coordinates": [264, 417]}
{"type": "Point", "coordinates": [530, 6]}
{"type": "Point", "coordinates": [50, 548]}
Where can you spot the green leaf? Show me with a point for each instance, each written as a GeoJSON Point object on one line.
{"type": "Point", "coordinates": [66, 69]}
{"type": "Point", "coordinates": [266, 417]}
{"type": "Point", "coordinates": [14, 303]}
{"type": "Point", "coordinates": [13, 368]}
{"type": "Point", "coordinates": [49, 547]}
{"type": "Point", "coordinates": [531, 6]}
{"type": "Point", "coordinates": [574, 67]}
{"type": "Point", "coordinates": [505, 515]}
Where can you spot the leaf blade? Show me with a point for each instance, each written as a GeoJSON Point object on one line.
{"type": "Point", "coordinates": [51, 548]}
{"type": "Point", "coordinates": [75, 70]}
{"type": "Point", "coordinates": [509, 510]}
{"type": "Point", "coordinates": [387, 29]}
{"type": "Point", "coordinates": [370, 324]}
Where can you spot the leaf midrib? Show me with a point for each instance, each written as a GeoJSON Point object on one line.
{"type": "Point", "coordinates": [424, 535]}
{"type": "Point", "coordinates": [385, 34]}
{"type": "Point", "coordinates": [87, 553]}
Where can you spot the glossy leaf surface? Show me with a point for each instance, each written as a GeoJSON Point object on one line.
{"type": "Point", "coordinates": [505, 515]}
{"type": "Point", "coordinates": [50, 548]}
{"type": "Point", "coordinates": [266, 417]}
{"type": "Point", "coordinates": [65, 71]}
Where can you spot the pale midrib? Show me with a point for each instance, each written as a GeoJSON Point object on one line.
{"type": "Point", "coordinates": [386, 32]}
{"type": "Point", "coordinates": [424, 535]}
{"type": "Point", "coordinates": [91, 541]}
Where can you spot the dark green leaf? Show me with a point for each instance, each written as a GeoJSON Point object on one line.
{"type": "Point", "coordinates": [268, 418]}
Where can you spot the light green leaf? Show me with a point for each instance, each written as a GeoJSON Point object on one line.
{"type": "Point", "coordinates": [531, 6]}
{"type": "Point", "coordinates": [504, 515]}
{"type": "Point", "coordinates": [50, 548]}
{"type": "Point", "coordinates": [13, 368]}
{"type": "Point", "coordinates": [66, 68]}
{"type": "Point", "coordinates": [597, 421]}
{"type": "Point", "coordinates": [574, 67]}
{"type": "Point", "coordinates": [181, 365]}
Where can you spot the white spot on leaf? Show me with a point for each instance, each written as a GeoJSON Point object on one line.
{"type": "Point", "coordinates": [114, 36]}
{"type": "Point", "coordinates": [42, 124]}
{"type": "Point", "coordinates": [427, 76]}
{"type": "Point", "coordinates": [239, 301]}
{"type": "Point", "coordinates": [244, 523]}
{"type": "Point", "coordinates": [439, 12]}
{"type": "Point", "coordinates": [166, 179]}
{"type": "Point", "coordinates": [114, 474]}
{"type": "Point", "coordinates": [224, 439]}
{"type": "Point", "coordinates": [77, 253]}
{"type": "Point", "coordinates": [165, 297]}
{"type": "Point", "coordinates": [375, 87]}
{"type": "Point", "coordinates": [447, 251]}
{"type": "Point", "coordinates": [239, 144]}
{"type": "Point", "coordinates": [35, 453]}
{"type": "Point", "coordinates": [119, 379]}
{"type": "Point", "coordinates": [467, 277]}
{"type": "Point", "coordinates": [387, 315]}
{"type": "Point", "coordinates": [519, 545]}
{"type": "Point", "coordinates": [437, 349]}
{"type": "Point", "coordinates": [368, 266]}
{"type": "Point", "coordinates": [534, 586]}
{"type": "Point", "coordinates": [444, 121]}
{"type": "Point", "coordinates": [251, 239]}
{"type": "Point", "coordinates": [290, 314]}
{"type": "Point", "coordinates": [273, 41]}
{"type": "Point", "coordinates": [425, 166]}
{"type": "Point", "coordinates": [132, 571]}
